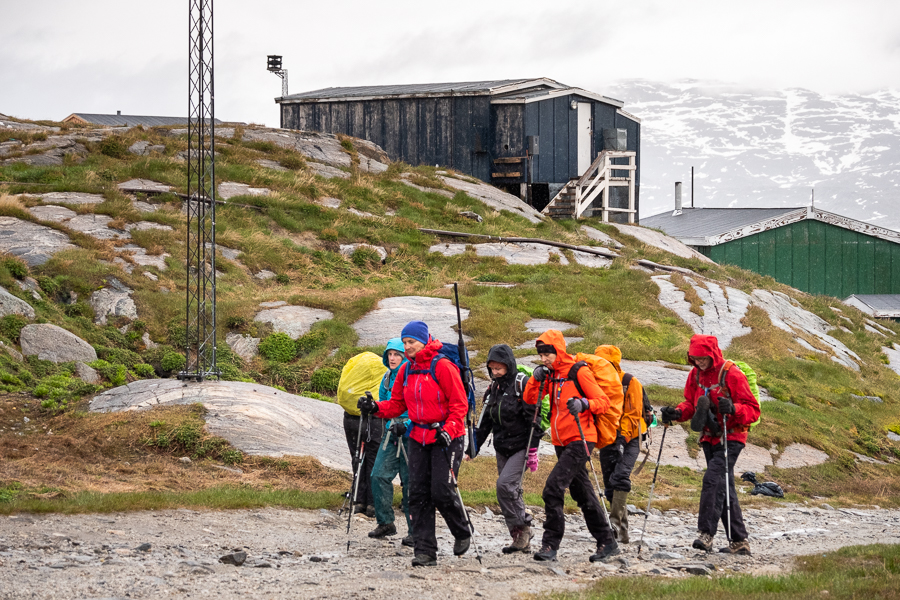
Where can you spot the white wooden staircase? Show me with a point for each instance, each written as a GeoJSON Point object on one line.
{"type": "Point", "coordinates": [577, 196]}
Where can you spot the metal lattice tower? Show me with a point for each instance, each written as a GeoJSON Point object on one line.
{"type": "Point", "coordinates": [200, 347]}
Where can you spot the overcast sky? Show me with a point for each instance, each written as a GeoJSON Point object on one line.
{"type": "Point", "coordinates": [60, 56]}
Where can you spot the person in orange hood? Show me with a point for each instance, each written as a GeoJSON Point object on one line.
{"type": "Point", "coordinates": [705, 404]}
{"type": "Point", "coordinates": [567, 409]}
{"type": "Point", "coordinates": [620, 449]}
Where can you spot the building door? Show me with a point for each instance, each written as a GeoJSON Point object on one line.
{"type": "Point", "coordinates": [584, 137]}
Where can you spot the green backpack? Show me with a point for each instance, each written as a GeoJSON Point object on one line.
{"type": "Point", "coordinates": [750, 374]}
{"type": "Point", "coordinates": [545, 402]}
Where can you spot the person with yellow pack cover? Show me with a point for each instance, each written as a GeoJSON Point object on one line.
{"type": "Point", "coordinates": [620, 442]}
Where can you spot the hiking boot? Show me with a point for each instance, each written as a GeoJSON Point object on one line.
{"type": "Point", "coordinates": [521, 540]}
{"type": "Point", "coordinates": [611, 548]}
{"type": "Point", "coordinates": [370, 512]}
{"type": "Point", "coordinates": [741, 548]}
{"type": "Point", "coordinates": [408, 541]}
{"type": "Point", "coordinates": [358, 509]}
{"type": "Point", "coordinates": [383, 530]}
{"type": "Point", "coordinates": [703, 542]}
{"type": "Point", "coordinates": [618, 516]}
{"type": "Point", "coordinates": [545, 553]}
{"type": "Point", "coordinates": [461, 546]}
{"type": "Point", "coordinates": [423, 560]}
{"type": "Point", "coordinates": [701, 413]}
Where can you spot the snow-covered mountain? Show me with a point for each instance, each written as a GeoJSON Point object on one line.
{"type": "Point", "coordinates": [768, 148]}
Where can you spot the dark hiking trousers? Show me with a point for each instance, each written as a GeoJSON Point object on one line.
{"type": "Point", "coordinates": [712, 494]}
{"type": "Point", "coordinates": [429, 488]}
{"type": "Point", "coordinates": [617, 461]}
{"type": "Point", "coordinates": [570, 472]}
{"type": "Point", "coordinates": [373, 436]}
{"type": "Point", "coordinates": [512, 505]}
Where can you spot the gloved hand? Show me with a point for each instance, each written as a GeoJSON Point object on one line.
{"type": "Point", "coordinates": [538, 430]}
{"type": "Point", "coordinates": [442, 438]}
{"type": "Point", "coordinates": [577, 405]}
{"type": "Point", "coordinates": [540, 373]}
{"type": "Point", "coordinates": [398, 429]}
{"type": "Point", "coordinates": [532, 461]}
{"type": "Point", "coordinates": [726, 405]}
{"type": "Point", "coordinates": [669, 414]}
{"type": "Point", "coordinates": [367, 405]}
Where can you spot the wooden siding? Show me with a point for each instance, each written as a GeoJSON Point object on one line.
{"type": "Point", "coordinates": [818, 258]}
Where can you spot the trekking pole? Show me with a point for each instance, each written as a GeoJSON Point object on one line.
{"type": "Point", "coordinates": [652, 485]}
{"type": "Point", "coordinates": [351, 494]}
{"type": "Point", "coordinates": [360, 455]}
{"type": "Point", "coordinates": [455, 483]}
{"type": "Point", "coordinates": [727, 482]}
{"type": "Point", "coordinates": [466, 374]}
{"type": "Point", "coordinates": [596, 481]}
{"type": "Point", "coordinates": [537, 411]}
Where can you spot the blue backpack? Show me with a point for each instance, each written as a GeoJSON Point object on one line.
{"type": "Point", "coordinates": [451, 353]}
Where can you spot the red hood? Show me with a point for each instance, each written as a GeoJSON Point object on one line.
{"type": "Point", "coordinates": [706, 345]}
{"type": "Point", "coordinates": [424, 356]}
{"type": "Point", "coordinates": [555, 338]}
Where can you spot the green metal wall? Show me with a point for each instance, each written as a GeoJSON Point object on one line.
{"type": "Point", "coordinates": [817, 258]}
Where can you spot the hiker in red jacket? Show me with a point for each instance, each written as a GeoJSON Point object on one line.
{"type": "Point", "coordinates": [437, 407]}
{"type": "Point", "coordinates": [705, 404]}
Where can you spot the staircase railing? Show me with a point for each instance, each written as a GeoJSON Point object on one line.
{"type": "Point", "coordinates": [596, 182]}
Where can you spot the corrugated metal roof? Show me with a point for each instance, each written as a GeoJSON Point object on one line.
{"type": "Point", "coordinates": [708, 222]}
{"type": "Point", "coordinates": [415, 89]}
{"type": "Point", "coordinates": [131, 120]}
{"type": "Point", "coordinates": [880, 302]}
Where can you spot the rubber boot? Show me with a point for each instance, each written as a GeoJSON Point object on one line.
{"type": "Point", "coordinates": [618, 516]}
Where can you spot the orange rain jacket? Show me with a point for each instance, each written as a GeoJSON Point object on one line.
{"type": "Point", "coordinates": [563, 427]}
{"type": "Point", "coordinates": [628, 417]}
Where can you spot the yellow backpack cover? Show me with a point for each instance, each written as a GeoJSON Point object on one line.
{"type": "Point", "coordinates": [361, 374]}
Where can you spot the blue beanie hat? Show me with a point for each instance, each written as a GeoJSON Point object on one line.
{"type": "Point", "coordinates": [416, 330]}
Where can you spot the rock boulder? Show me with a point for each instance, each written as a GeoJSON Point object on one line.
{"type": "Point", "coordinates": [10, 305]}
{"type": "Point", "coordinates": [49, 342]}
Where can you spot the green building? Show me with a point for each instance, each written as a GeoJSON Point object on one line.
{"type": "Point", "coordinates": [813, 250]}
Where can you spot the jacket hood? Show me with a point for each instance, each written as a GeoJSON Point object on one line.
{"type": "Point", "coordinates": [706, 345]}
{"type": "Point", "coordinates": [610, 353]}
{"type": "Point", "coordinates": [425, 355]}
{"type": "Point", "coordinates": [395, 344]}
{"type": "Point", "coordinates": [502, 353]}
{"type": "Point", "coordinates": [555, 338]}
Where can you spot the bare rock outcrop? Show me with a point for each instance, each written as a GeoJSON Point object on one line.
{"type": "Point", "coordinates": [49, 342]}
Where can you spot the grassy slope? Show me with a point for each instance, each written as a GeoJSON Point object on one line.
{"type": "Point", "coordinates": [298, 239]}
{"type": "Point", "coordinates": [851, 572]}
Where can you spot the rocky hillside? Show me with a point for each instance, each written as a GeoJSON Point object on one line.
{"type": "Point", "coordinates": [326, 249]}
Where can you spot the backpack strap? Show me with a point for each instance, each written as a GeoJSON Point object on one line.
{"type": "Point", "coordinates": [722, 373]}
{"type": "Point", "coordinates": [626, 381]}
{"type": "Point", "coordinates": [573, 375]}
{"type": "Point", "coordinates": [519, 384]}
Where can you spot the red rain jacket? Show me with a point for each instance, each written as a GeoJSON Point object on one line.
{"type": "Point", "coordinates": [428, 400]}
{"type": "Point", "coordinates": [746, 407]}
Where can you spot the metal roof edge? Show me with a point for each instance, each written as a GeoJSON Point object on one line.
{"type": "Point", "coordinates": [628, 115]}
{"type": "Point", "coordinates": [518, 84]}
{"type": "Point", "coordinates": [853, 225]}
{"type": "Point", "coordinates": [566, 91]}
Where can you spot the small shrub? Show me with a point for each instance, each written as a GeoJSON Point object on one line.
{"type": "Point", "coordinates": [16, 267]}
{"type": "Point", "coordinates": [11, 326]}
{"type": "Point", "coordinates": [364, 257]}
{"type": "Point", "coordinates": [173, 361]}
{"type": "Point", "coordinates": [282, 279]}
{"type": "Point", "coordinates": [325, 380]}
{"type": "Point", "coordinates": [144, 370]}
{"type": "Point", "coordinates": [347, 145]}
{"type": "Point", "coordinates": [120, 356]}
{"type": "Point", "coordinates": [78, 309]}
{"type": "Point", "coordinates": [310, 342]}
{"type": "Point", "coordinates": [292, 162]}
{"type": "Point", "coordinates": [278, 347]}
{"type": "Point", "coordinates": [235, 322]}
{"type": "Point", "coordinates": [114, 147]}
{"type": "Point", "coordinates": [329, 234]}
{"type": "Point", "coordinates": [60, 389]}
{"type": "Point", "coordinates": [115, 373]}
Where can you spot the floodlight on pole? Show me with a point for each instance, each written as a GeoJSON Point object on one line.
{"type": "Point", "coordinates": [273, 65]}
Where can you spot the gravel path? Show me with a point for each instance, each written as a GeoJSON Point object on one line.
{"type": "Point", "coordinates": [303, 554]}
